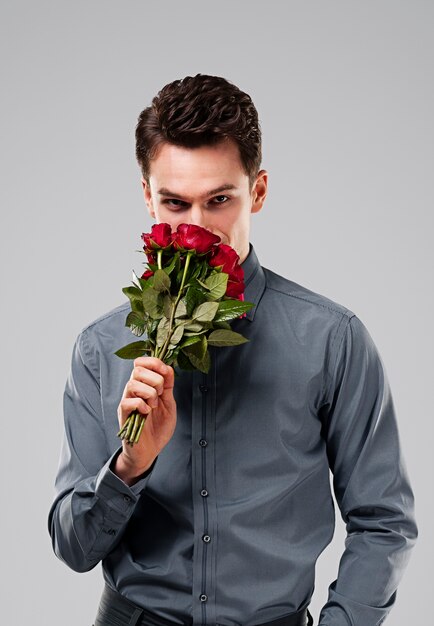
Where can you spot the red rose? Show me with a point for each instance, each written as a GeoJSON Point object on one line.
{"type": "Point", "coordinates": [235, 285]}
{"type": "Point", "coordinates": [234, 288]}
{"type": "Point", "coordinates": [152, 258]}
{"type": "Point", "coordinates": [147, 274]}
{"type": "Point", "coordinates": [159, 237]}
{"type": "Point", "coordinates": [224, 255]}
{"type": "Point", "coordinates": [192, 237]}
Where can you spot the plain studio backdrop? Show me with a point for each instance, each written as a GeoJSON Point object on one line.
{"type": "Point", "coordinates": [344, 92]}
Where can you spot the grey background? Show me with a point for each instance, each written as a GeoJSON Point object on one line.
{"type": "Point", "coordinates": [344, 92]}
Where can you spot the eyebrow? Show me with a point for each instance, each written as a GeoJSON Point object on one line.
{"type": "Point", "coordinates": [165, 192]}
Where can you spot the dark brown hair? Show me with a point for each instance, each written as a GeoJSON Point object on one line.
{"type": "Point", "coordinates": [196, 111]}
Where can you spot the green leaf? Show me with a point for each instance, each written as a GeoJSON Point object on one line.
{"type": "Point", "coordinates": [201, 364]}
{"type": "Point", "coordinates": [162, 331]}
{"type": "Point", "coordinates": [153, 303]}
{"type": "Point", "coordinates": [161, 281]}
{"type": "Point", "coordinates": [168, 268]}
{"type": "Point", "coordinates": [192, 333]}
{"type": "Point", "coordinates": [132, 293]}
{"type": "Point", "coordinates": [179, 275]}
{"type": "Point", "coordinates": [145, 283]}
{"type": "Point", "coordinates": [204, 270]}
{"type": "Point", "coordinates": [152, 327]}
{"type": "Point", "coordinates": [176, 336]}
{"type": "Point", "coordinates": [196, 270]}
{"type": "Point", "coordinates": [189, 341]}
{"type": "Point", "coordinates": [224, 337]}
{"type": "Point", "coordinates": [136, 323]}
{"type": "Point", "coordinates": [193, 326]}
{"type": "Point", "coordinates": [205, 312]}
{"type": "Point", "coordinates": [199, 355]}
{"type": "Point", "coordinates": [133, 350]}
{"type": "Point", "coordinates": [169, 303]}
{"type": "Point", "coordinates": [136, 279]}
{"type": "Point", "coordinates": [169, 357]}
{"type": "Point", "coordinates": [181, 309]}
{"type": "Point", "coordinates": [221, 324]}
{"type": "Point", "coordinates": [184, 362]}
{"type": "Point", "coordinates": [217, 284]}
{"type": "Point", "coordinates": [198, 348]}
{"type": "Point", "coordinates": [137, 306]}
{"type": "Point", "coordinates": [230, 309]}
{"type": "Point", "coordinates": [193, 297]}
{"type": "Point", "coordinates": [203, 283]}
{"type": "Point", "coordinates": [177, 264]}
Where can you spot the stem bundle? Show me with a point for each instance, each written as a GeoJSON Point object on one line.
{"type": "Point", "coordinates": [130, 431]}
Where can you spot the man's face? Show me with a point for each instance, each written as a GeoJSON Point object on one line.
{"type": "Point", "coordinates": [206, 186]}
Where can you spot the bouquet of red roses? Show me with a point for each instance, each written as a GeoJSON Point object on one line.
{"type": "Point", "coordinates": [193, 286]}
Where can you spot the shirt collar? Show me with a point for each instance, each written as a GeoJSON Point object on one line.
{"type": "Point", "coordinates": [254, 281]}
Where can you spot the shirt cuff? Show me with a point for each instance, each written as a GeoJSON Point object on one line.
{"type": "Point", "coordinates": [341, 611]}
{"type": "Point", "coordinates": [113, 490]}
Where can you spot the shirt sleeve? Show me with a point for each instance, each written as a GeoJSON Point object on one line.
{"type": "Point", "coordinates": [370, 483]}
{"type": "Point", "coordinates": [92, 505]}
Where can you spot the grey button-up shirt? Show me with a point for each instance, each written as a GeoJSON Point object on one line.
{"type": "Point", "coordinates": [226, 525]}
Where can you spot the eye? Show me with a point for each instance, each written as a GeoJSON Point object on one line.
{"type": "Point", "coordinates": [221, 197]}
{"type": "Point", "coordinates": [180, 204]}
{"type": "Point", "coordinates": [173, 202]}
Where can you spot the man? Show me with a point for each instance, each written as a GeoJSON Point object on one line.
{"type": "Point", "coordinates": [218, 514]}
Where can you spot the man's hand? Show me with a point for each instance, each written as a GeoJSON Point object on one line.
{"type": "Point", "coordinates": [150, 391]}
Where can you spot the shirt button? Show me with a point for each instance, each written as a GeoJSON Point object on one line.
{"type": "Point", "coordinates": [203, 442]}
{"type": "Point", "coordinates": [204, 492]}
{"type": "Point", "coordinates": [203, 388]}
{"type": "Point", "coordinates": [127, 498]}
{"type": "Point", "coordinates": [203, 597]}
{"type": "Point", "coordinates": [206, 538]}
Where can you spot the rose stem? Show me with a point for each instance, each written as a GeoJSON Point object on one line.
{"type": "Point", "coordinates": [137, 423]}
{"type": "Point", "coordinates": [172, 315]}
{"type": "Point", "coordinates": [130, 427]}
{"type": "Point", "coordinates": [123, 430]}
{"type": "Point", "coordinates": [140, 430]}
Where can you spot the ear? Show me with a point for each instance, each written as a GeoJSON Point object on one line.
{"type": "Point", "coordinates": [259, 191]}
{"type": "Point", "coordinates": [148, 197]}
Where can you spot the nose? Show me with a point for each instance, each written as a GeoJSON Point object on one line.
{"type": "Point", "coordinates": [198, 217]}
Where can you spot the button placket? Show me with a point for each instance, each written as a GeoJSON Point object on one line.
{"type": "Point", "coordinates": [203, 472]}
{"type": "Point", "coordinates": [205, 538]}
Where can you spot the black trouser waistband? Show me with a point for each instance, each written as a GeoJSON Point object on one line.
{"type": "Point", "coordinates": [114, 604]}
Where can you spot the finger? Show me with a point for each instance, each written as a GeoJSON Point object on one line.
{"type": "Point", "coordinates": [149, 377]}
{"type": "Point", "coordinates": [137, 388]}
{"type": "Point", "coordinates": [151, 363]}
{"type": "Point", "coordinates": [169, 377]}
{"type": "Point", "coordinates": [128, 405]}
